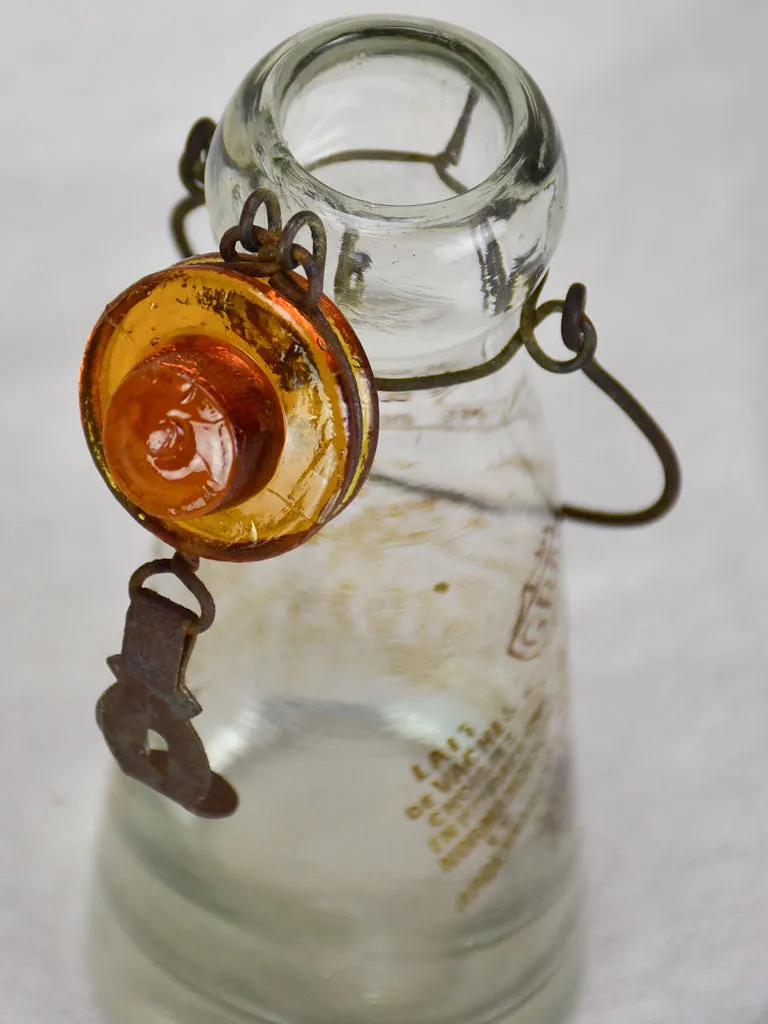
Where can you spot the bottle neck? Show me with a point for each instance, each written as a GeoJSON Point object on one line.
{"type": "Point", "coordinates": [424, 366]}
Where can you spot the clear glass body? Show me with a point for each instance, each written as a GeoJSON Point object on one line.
{"type": "Point", "coordinates": [390, 699]}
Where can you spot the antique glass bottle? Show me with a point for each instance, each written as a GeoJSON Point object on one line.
{"type": "Point", "coordinates": [389, 699]}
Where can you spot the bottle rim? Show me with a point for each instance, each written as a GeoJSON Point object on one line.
{"type": "Point", "coordinates": [531, 131]}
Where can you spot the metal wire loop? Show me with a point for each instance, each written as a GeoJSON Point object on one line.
{"type": "Point", "coordinates": [574, 317]}
{"type": "Point", "coordinates": [661, 445]}
{"type": "Point", "coordinates": [583, 341]}
{"type": "Point", "coordinates": [290, 255]}
{"type": "Point", "coordinates": [249, 237]}
{"type": "Point", "coordinates": [183, 569]}
{"type": "Point", "coordinates": [271, 251]}
{"type": "Point", "coordinates": [192, 162]}
{"type": "Point", "coordinates": [263, 256]}
{"type": "Point", "coordinates": [192, 174]}
{"type": "Point", "coordinates": [579, 335]}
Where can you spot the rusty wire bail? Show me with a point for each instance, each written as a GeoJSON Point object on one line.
{"type": "Point", "coordinates": [580, 336]}
{"type": "Point", "coordinates": [274, 251]}
{"type": "Point", "coordinates": [192, 174]}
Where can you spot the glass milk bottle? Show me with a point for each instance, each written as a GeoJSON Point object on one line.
{"type": "Point", "coordinates": [390, 700]}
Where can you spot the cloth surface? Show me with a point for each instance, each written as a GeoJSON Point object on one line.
{"type": "Point", "coordinates": [661, 105]}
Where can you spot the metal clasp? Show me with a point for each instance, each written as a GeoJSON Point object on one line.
{"type": "Point", "coordinates": [150, 695]}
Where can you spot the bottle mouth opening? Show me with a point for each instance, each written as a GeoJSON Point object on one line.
{"type": "Point", "coordinates": [349, 102]}
{"type": "Point", "coordinates": [432, 160]}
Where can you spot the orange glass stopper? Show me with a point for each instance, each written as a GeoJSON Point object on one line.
{"type": "Point", "coordinates": [228, 416]}
{"type": "Point", "coordinates": [196, 428]}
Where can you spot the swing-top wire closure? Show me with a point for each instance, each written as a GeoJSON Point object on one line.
{"type": "Point", "coordinates": [274, 252]}
{"type": "Point", "coordinates": [150, 693]}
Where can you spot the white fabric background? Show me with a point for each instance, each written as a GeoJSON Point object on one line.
{"type": "Point", "coordinates": [662, 107]}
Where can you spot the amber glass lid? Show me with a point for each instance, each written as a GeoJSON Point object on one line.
{"type": "Point", "coordinates": [229, 421]}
